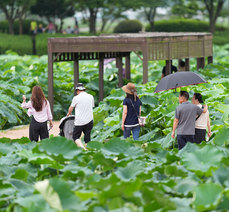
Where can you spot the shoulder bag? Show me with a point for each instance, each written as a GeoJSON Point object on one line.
{"type": "Point", "coordinates": [141, 119]}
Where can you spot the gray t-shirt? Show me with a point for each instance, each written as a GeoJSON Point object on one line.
{"type": "Point", "coordinates": [186, 114]}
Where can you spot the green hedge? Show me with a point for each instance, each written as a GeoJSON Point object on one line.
{"type": "Point", "coordinates": [128, 26]}
{"type": "Point", "coordinates": [4, 27]}
{"type": "Point", "coordinates": [181, 25]}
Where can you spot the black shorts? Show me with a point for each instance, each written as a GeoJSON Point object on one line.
{"type": "Point", "coordinates": [86, 129]}
{"type": "Point", "coordinates": [200, 135]}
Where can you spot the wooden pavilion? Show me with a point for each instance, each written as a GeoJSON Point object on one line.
{"type": "Point", "coordinates": [151, 46]}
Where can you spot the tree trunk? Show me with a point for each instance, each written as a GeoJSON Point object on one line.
{"type": "Point", "coordinates": [150, 15]}
{"type": "Point", "coordinates": [92, 20]}
{"type": "Point", "coordinates": [61, 25]}
{"type": "Point", "coordinates": [20, 26]}
{"type": "Point", "coordinates": [11, 26]}
{"type": "Point", "coordinates": [104, 23]}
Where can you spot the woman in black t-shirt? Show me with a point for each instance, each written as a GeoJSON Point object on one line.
{"type": "Point", "coordinates": [131, 112]}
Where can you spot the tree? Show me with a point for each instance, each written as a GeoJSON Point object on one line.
{"type": "Point", "coordinates": [91, 7]}
{"type": "Point", "coordinates": [213, 7]}
{"type": "Point", "coordinates": [185, 9]}
{"type": "Point", "coordinates": [23, 7]}
{"type": "Point", "coordinates": [15, 9]}
{"type": "Point", "coordinates": [110, 13]}
{"type": "Point", "coordinates": [149, 7]}
{"type": "Point", "coordinates": [10, 10]}
{"type": "Point", "coordinates": [53, 9]}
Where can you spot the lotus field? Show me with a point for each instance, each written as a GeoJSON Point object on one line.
{"type": "Point", "coordinates": [114, 175]}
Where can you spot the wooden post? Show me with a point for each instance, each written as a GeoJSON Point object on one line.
{"type": "Point", "coordinates": [50, 80]}
{"type": "Point", "coordinates": [145, 64]}
{"type": "Point", "coordinates": [101, 83]}
{"type": "Point", "coordinates": [119, 66]}
{"type": "Point", "coordinates": [76, 73]}
{"type": "Point", "coordinates": [200, 62]}
{"type": "Point", "coordinates": [210, 59]}
{"type": "Point", "coordinates": [168, 67]}
{"type": "Point", "coordinates": [127, 67]}
{"type": "Point", "coordinates": [187, 64]}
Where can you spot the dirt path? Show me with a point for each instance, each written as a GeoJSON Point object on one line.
{"type": "Point", "coordinates": [23, 131]}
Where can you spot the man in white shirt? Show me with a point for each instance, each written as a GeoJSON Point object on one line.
{"type": "Point", "coordinates": [83, 104]}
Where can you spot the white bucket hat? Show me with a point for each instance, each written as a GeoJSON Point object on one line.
{"type": "Point", "coordinates": [80, 87]}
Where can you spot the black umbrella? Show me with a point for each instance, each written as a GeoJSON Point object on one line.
{"type": "Point", "coordinates": [179, 79]}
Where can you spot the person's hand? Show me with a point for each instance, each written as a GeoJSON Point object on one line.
{"type": "Point", "coordinates": [209, 134]}
{"type": "Point", "coordinates": [51, 124]}
{"type": "Point", "coordinates": [173, 135]}
{"type": "Point", "coordinates": [24, 98]}
{"type": "Point", "coordinates": [122, 127]}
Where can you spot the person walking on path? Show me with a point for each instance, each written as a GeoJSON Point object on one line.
{"type": "Point", "coordinates": [131, 112]}
{"type": "Point", "coordinates": [185, 117]}
{"type": "Point", "coordinates": [83, 104]}
{"type": "Point", "coordinates": [202, 121]}
{"type": "Point", "coordinates": [40, 112]}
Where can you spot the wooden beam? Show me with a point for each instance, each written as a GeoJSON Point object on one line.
{"type": "Point", "coordinates": [120, 70]}
{"type": "Point", "coordinates": [210, 59]}
{"type": "Point", "coordinates": [127, 67]}
{"type": "Point", "coordinates": [50, 80]}
{"type": "Point", "coordinates": [200, 62]}
{"type": "Point", "coordinates": [101, 83]}
{"type": "Point", "coordinates": [145, 63]}
{"type": "Point", "coordinates": [76, 74]}
{"type": "Point", "coordinates": [187, 64]}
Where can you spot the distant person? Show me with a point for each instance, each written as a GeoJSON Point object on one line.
{"type": "Point", "coordinates": [181, 66]}
{"type": "Point", "coordinates": [185, 118]}
{"type": "Point", "coordinates": [76, 27]}
{"type": "Point", "coordinates": [40, 112]}
{"type": "Point", "coordinates": [51, 28]}
{"type": "Point", "coordinates": [83, 104]}
{"type": "Point", "coordinates": [173, 70]}
{"type": "Point", "coordinates": [40, 29]}
{"type": "Point", "coordinates": [69, 30]}
{"type": "Point", "coordinates": [202, 121]}
{"type": "Point", "coordinates": [131, 111]}
{"type": "Point", "coordinates": [33, 27]}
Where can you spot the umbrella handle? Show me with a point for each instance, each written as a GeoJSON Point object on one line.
{"type": "Point", "coordinates": [176, 87]}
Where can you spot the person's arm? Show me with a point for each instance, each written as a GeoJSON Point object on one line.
{"type": "Point", "coordinates": [140, 110]}
{"type": "Point", "coordinates": [70, 109]}
{"type": "Point", "coordinates": [49, 114]}
{"type": "Point", "coordinates": [124, 114]}
{"type": "Point", "coordinates": [209, 127]}
{"type": "Point", "coordinates": [72, 106]}
{"type": "Point", "coordinates": [205, 109]}
{"type": "Point", "coordinates": [24, 104]}
{"type": "Point", "coordinates": [175, 123]}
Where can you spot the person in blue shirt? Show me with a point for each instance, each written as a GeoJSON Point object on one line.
{"type": "Point", "coordinates": [131, 112]}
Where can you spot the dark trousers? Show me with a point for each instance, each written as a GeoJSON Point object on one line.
{"type": "Point", "coordinates": [37, 129]}
{"type": "Point", "coordinates": [199, 135]}
{"type": "Point", "coordinates": [86, 129]}
{"type": "Point", "coordinates": [183, 139]}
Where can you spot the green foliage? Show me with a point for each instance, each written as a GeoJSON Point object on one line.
{"type": "Point", "coordinates": [114, 174]}
{"type": "Point", "coordinates": [182, 25]}
{"type": "Point", "coordinates": [128, 26]}
{"type": "Point", "coordinates": [117, 175]}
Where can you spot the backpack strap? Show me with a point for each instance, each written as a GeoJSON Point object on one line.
{"type": "Point", "coordinates": [134, 108]}
{"type": "Point", "coordinates": [200, 114]}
